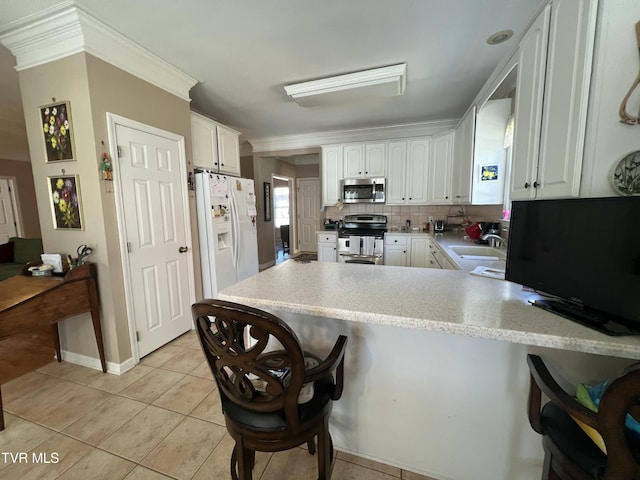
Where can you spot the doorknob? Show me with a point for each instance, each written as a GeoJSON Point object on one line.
{"type": "Point", "coordinates": [183, 249]}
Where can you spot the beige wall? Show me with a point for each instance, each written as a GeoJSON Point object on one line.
{"type": "Point", "coordinates": [25, 193]}
{"type": "Point", "coordinates": [94, 87]}
{"type": "Point", "coordinates": [308, 171]}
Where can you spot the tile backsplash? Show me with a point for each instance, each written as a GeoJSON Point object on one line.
{"type": "Point", "coordinates": [397, 216]}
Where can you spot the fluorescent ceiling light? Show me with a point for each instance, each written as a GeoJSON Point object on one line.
{"type": "Point", "coordinates": [384, 81]}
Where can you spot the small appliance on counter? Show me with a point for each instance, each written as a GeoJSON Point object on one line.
{"type": "Point", "coordinates": [438, 226]}
{"type": "Point", "coordinates": [330, 224]}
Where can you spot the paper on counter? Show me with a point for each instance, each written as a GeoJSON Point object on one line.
{"type": "Point", "coordinates": [488, 272]}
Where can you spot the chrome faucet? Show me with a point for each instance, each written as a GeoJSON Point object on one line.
{"type": "Point", "coordinates": [494, 240]}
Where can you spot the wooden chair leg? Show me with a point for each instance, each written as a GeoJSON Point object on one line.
{"type": "Point", "coordinates": [244, 459]}
{"type": "Point", "coordinates": [56, 341]}
{"type": "Point", "coordinates": [325, 452]}
{"type": "Point", "coordinates": [311, 446]}
{"type": "Point", "coordinates": [1, 412]}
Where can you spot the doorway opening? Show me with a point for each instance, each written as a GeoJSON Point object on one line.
{"type": "Point", "coordinates": [282, 217]}
{"type": "Point", "coordinates": [10, 221]}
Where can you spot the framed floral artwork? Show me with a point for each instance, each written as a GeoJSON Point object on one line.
{"type": "Point", "coordinates": [58, 132]}
{"type": "Point", "coordinates": [64, 196]}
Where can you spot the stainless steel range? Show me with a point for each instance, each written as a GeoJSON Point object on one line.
{"type": "Point", "coordinates": [360, 240]}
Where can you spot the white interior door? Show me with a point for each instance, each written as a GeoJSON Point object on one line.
{"type": "Point", "coordinates": [159, 260]}
{"type": "Point", "coordinates": [308, 200]}
{"type": "Point", "coordinates": [8, 223]}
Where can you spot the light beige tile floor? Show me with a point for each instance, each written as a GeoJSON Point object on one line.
{"type": "Point", "coordinates": [161, 420]}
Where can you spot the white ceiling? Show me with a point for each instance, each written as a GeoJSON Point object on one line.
{"type": "Point", "coordinates": [244, 52]}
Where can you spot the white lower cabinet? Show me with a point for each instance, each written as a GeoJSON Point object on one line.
{"type": "Point", "coordinates": [327, 247]}
{"type": "Point", "coordinates": [396, 250]}
{"type": "Point", "coordinates": [420, 252]}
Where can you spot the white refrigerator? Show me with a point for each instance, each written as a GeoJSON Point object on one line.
{"type": "Point", "coordinates": [226, 209]}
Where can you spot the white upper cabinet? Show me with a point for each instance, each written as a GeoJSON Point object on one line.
{"type": "Point", "coordinates": [205, 142]}
{"type": "Point", "coordinates": [408, 172]}
{"type": "Point", "coordinates": [566, 94]}
{"type": "Point", "coordinates": [551, 101]}
{"type": "Point", "coordinates": [463, 145]}
{"type": "Point", "coordinates": [215, 147]}
{"type": "Point", "coordinates": [331, 174]}
{"type": "Point", "coordinates": [532, 55]}
{"type": "Point", "coordinates": [228, 150]}
{"type": "Point", "coordinates": [367, 160]}
{"type": "Point", "coordinates": [417, 171]}
{"type": "Point", "coordinates": [441, 168]}
{"type": "Point", "coordinates": [396, 173]}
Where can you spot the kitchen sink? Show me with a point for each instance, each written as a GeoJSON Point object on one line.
{"type": "Point", "coordinates": [478, 252]}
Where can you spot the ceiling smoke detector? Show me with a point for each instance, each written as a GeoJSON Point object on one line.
{"type": "Point", "coordinates": [384, 81]}
{"type": "Point", "coordinates": [500, 37]}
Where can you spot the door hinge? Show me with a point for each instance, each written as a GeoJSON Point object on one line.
{"type": "Point", "coordinates": [128, 247]}
{"type": "Point", "coordinates": [119, 150]}
{"type": "Point", "coordinates": [137, 336]}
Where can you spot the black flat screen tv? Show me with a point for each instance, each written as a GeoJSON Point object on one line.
{"type": "Point", "coordinates": [583, 255]}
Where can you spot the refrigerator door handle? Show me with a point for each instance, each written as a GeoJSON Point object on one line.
{"type": "Point", "coordinates": [235, 226]}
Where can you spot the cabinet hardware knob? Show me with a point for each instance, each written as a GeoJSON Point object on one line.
{"type": "Point", "coordinates": [536, 184]}
{"type": "Point", "coordinates": [183, 249]}
{"type": "Point", "coordinates": [526, 185]}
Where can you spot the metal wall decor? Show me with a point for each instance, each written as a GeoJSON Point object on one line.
{"type": "Point", "coordinates": [624, 116]}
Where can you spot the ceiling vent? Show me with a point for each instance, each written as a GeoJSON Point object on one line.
{"type": "Point", "coordinates": [377, 82]}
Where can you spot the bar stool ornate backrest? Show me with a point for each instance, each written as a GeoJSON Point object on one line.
{"type": "Point", "coordinates": [272, 399]}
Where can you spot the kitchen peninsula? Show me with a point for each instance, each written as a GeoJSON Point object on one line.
{"type": "Point", "coordinates": [435, 377]}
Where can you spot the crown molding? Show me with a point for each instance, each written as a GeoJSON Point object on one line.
{"type": "Point", "coordinates": [316, 139]}
{"type": "Point", "coordinates": [66, 29]}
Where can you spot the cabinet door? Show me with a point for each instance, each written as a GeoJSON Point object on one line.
{"type": "Point", "coordinates": [375, 160]}
{"type": "Point", "coordinates": [353, 156]}
{"type": "Point", "coordinates": [331, 174]}
{"type": "Point", "coordinates": [204, 142]}
{"type": "Point", "coordinates": [568, 75]}
{"type": "Point", "coordinates": [228, 151]}
{"type": "Point", "coordinates": [395, 255]}
{"type": "Point", "coordinates": [532, 56]}
{"type": "Point", "coordinates": [417, 171]}
{"type": "Point", "coordinates": [463, 146]}
{"type": "Point", "coordinates": [327, 252]}
{"type": "Point", "coordinates": [420, 252]}
{"type": "Point", "coordinates": [396, 173]}
{"type": "Point", "coordinates": [440, 176]}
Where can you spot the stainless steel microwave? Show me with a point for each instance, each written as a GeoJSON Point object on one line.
{"type": "Point", "coordinates": [362, 190]}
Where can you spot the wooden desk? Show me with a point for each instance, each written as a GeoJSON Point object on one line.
{"type": "Point", "coordinates": [39, 303]}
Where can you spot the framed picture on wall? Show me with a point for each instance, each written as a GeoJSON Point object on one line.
{"type": "Point", "coordinates": [64, 197]}
{"type": "Point", "coordinates": [58, 132]}
{"type": "Point", "coordinates": [267, 201]}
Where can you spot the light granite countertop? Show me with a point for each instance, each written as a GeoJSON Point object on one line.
{"type": "Point", "coordinates": [447, 301]}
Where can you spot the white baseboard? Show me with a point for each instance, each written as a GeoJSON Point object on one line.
{"type": "Point", "coordinates": [91, 362]}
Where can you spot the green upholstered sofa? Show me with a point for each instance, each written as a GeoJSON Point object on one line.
{"type": "Point", "coordinates": [15, 254]}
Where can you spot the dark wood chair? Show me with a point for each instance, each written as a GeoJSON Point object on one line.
{"type": "Point", "coordinates": [260, 386]}
{"type": "Point", "coordinates": [284, 236]}
{"type": "Point", "coordinates": [569, 453]}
